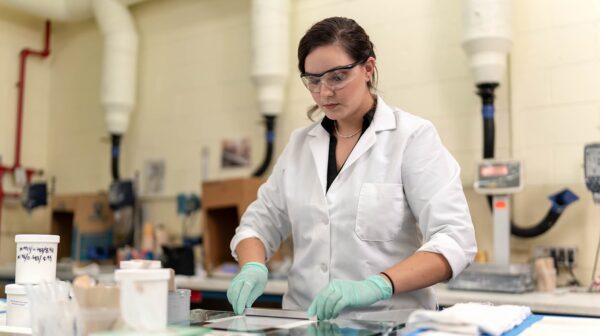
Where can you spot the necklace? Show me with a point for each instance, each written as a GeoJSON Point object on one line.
{"type": "Point", "coordinates": [337, 131]}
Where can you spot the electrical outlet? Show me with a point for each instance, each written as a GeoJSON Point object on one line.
{"type": "Point", "coordinates": [571, 253]}
{"type": "Point", "coordinates": [564, 256]}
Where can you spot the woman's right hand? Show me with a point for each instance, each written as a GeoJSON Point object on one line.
{"type": "Point", "coordinates": [247, 286]}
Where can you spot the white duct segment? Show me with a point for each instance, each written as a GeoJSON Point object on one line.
{"type": "Point", "coordinates": [487, 38]}
{"type": "Point", "coordinates": [270, 52]}
{"type": "Point", "coordinates": [59, 10]}
{"type": "Point", "coordinates": [119, 64]}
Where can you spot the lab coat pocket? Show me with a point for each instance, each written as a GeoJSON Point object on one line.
{"type": "Point", "coordinates": [380, 211]}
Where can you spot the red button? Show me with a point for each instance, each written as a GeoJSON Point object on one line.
{"type": "Point", "coordinates": [500, 205]}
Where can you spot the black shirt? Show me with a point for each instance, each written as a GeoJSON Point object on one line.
{"type": "Point", "coordinates": [329, 126]}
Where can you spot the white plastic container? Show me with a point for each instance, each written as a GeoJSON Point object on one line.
{"type": "Point", "coordinates": [36, 258]}
{"type": "Point", "coordinates": [140, 264]}
{"type": "Point", "coordinates": [17, 306]}
{"type": "Point", "coordinates": [144, 298]}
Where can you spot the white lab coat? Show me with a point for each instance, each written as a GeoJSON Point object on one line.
{"type": "Point", "coordinates": [398, 192]}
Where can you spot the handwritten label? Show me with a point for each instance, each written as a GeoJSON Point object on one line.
{"type": "Point", "coordinates": [35, 254]}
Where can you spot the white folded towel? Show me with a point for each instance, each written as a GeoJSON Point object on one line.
{"type": "Point", "coordinates": [470, 318]}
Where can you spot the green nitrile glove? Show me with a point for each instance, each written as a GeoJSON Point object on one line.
{"type": "Point", "coordinates": [340, 294]}
{"type": "Point", "coordinates": [325, 328]}
{"type": "Point", "coordinates": [247, 286]}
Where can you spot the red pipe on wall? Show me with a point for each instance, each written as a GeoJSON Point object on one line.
{"type": "Point", "coordinates": [21, 85]}
{"type": "Point", "coordinates": [23, 55]}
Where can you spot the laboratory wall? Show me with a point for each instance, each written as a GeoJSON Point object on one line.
{"type": "Point", "coordinates": [18, 31]}
{"type": "Point", "coordinates": [555, 110]}
{"type": "Point", "coordinates": [194, 90]}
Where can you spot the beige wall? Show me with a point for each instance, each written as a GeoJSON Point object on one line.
{"type": "Point", "coordinates": [195, 89]}
{"type": "Point", "coordinates": [18, 31]}
{"type": "Point", "coordinates": [78, 144]}
{"type": "Point", "coordinates": [555, 103]}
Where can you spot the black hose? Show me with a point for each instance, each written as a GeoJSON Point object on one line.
{"type": "Point", "coordinates": [560, 200]}
{"type": "Point", "coordinates": [540, 228]}
{"type": "Point", "coordinates": [489, 133]}
{"type": "Point", "coordinates": [270, 137]}
{"type": "Point", "coordinates": [115, 152]}
{"type": "Point", "coordinates": [486, 92]}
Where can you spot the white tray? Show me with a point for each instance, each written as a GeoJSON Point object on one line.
{"type": "Point", "coordinates": [14, 330]}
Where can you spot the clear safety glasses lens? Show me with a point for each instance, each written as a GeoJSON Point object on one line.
{"type": "Point", "coordinates": [335, 80]}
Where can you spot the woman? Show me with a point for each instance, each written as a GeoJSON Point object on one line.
{"type": "Point", "coordinates": [372, 199]}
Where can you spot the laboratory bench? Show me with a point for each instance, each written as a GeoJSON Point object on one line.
{"type": "Point", "coordinates": [574, 305]}
{"type": "Point", "coordinates": [222, 323]}
{"type": "Point", "coordinates": [64, 271]}
{"type": "Point", "coordinates": [559, 302]}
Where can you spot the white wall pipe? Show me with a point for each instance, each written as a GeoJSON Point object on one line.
{"type": "Point", "coordinates": [270, 52]}
{"type": "Point", "coordinates": [487, 39]}
{"type": "Point", "coordinates": [59, 10]}
{"type": "Point", "coordinates": [119, 63]}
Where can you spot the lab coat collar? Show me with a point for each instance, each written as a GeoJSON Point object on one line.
{"type": "Point", "coordinates": [383, 120]}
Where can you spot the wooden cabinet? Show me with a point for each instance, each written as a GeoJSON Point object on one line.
{"type": "Point", "coordinates": [223, 203]}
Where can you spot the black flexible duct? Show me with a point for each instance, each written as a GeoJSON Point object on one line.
{"type": "Point", "coordinates": [489, 134]}
{"type": "Point", "coordinates": [559, 201]}
{"type": "Point", "coordinates": [540, 228]}
{"type": "Point", "coordinates": [115, 152]}
{"type": "Point", "coordinates": [486, 92]}
{"type": "Point", "coordinates": [270, 137]}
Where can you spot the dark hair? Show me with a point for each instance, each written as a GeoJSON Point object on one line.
{"type": "Point", "coordinates": [343, 31]}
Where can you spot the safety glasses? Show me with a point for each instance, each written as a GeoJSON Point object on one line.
{"type": "Point", "coordinates": [335, 78]}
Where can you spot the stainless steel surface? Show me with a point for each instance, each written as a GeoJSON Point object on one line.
{"type": "Point", "coordinates": [339, 327]}
{"type": "Point", "coordinates": [293, 314]}
{"type": "Point", "coordinates": [512, 278]}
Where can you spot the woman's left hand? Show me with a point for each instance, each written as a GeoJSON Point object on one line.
{"type": "Point", "coordinates": [340, 294]}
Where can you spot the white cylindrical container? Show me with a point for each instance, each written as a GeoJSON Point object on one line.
{"type": "Point", "coordinates": [144, 298]}
{"type": "Point", "coordinates": [140, 264]}
{"type": "Point", "coordinates": [17, 306]}
{"type": "Point", "coordinates": [36, 258]}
